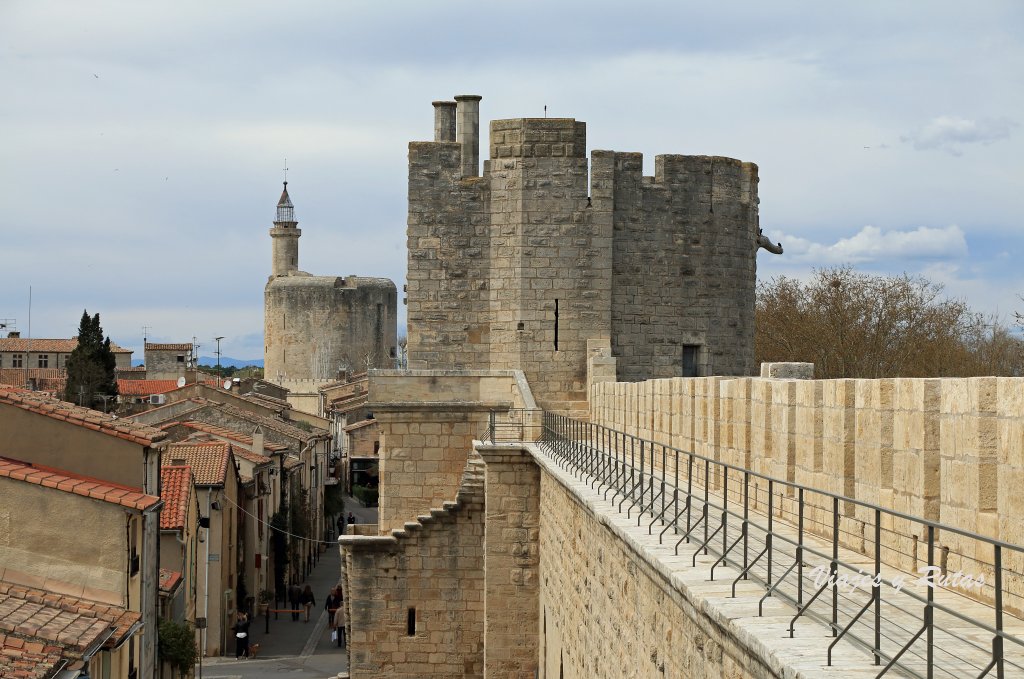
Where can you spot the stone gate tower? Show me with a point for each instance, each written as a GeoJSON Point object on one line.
{"type": "Point", "coordinates": [315, 326]}
{"type": "Point", "coordinates": [519, 268]}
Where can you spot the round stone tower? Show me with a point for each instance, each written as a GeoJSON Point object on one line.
{"type": "Point", "coordinates": [316, 326]}
{"type": "Point", "coordinates": [285, 235]}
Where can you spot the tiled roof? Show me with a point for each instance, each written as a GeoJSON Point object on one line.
{"type": "Point", "coordinates": [226, 433]}
{"type": "Point", "coordinates": [360, 424]}
{"type": "Point", "coordinates": [145, 387]}
{"type": "Point", "coordinates": [46, 379]}
{"type": "Point", "coordinates": [255, 458]}
{"type": "Point", "coordinates": [176, 492]}
{"type": "Point", "coordinates": [183, 346]}
{"type": "Point", "coordinates": [277, 425]}
{"type": "Point", "coordinates": [263, 399]}
{"type": "Point", "coordinates": [42, 345]}
{"type": "Point", "coordinates": [125, 496]}
{"type": "Point", "coordinates": [291, 462]}
{"type": "Point", "coordinates": [28, 659]}
{"type": "Point", "coordinates": [169, 580]}
{"type": "Point", "coordinates": [131, 369]}
{"type": "Point", "coordinates": [34, 402]}
{"type": "Point", "coordinates": [68, 622]}
{"type": "Point", "coordinates": [209, 461]}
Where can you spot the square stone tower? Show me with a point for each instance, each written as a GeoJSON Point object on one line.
{"type": "Point", "coordinates": [520, 267]}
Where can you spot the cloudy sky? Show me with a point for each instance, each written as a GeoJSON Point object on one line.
{"type": "Point", "coordinates": [143, 142]}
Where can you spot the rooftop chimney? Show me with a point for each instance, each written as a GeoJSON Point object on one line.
{"type": "Point", "coordinates": [468, 114]}
{"type": "Point", "coordinates": [444, 120]}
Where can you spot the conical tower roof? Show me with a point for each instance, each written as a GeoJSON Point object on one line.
{"type": "Point", "coordinates": [286, 200]}
{"type": "Point", "coordinates": [285, 209]}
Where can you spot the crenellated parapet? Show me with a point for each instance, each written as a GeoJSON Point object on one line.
{"type": "Point", "coordinates": [519, 267]}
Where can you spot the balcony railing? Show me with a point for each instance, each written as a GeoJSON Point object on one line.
{"type": "Point", "coordinates": [812, 549]}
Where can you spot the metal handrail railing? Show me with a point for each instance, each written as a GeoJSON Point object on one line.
{"type": "Point", "coordinates": [627, 467]}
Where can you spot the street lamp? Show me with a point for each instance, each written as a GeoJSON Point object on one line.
{"type": "Point", "coordinates": [217, 340]}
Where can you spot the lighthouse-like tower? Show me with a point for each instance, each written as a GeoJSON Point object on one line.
{"type": "Point", "coordinates": [315, 327]}
{"type": "Point", "coordinates": [285, 234]}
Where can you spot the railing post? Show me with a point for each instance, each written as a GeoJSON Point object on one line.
{"type": "Point", "coordinates": [746, 518]}
{"type": "Point", "coordinates": [878, 586]}
{"type": "Point", "coordinates": [930, 611]}
{"type": "Point", "coordinates": [997, 641]}
{"type": "Point", "coordinates": [771, 528]}
{"type": "Point", "coordinates": [835, 566]}
{"type": "Point", "coordinates": [490, 426]}
{"type": "Point", "coordinates": [800, 548]}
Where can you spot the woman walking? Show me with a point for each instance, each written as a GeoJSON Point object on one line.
{"type": "Point", "coordinates": [331, 606]}
{"type": "Point", "coordinates": [339, 619]}
{"type": "Point", "coordinates": [241, 629]}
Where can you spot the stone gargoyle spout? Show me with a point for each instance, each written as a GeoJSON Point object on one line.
{"type": "Point", "coordinates": [763, 242]}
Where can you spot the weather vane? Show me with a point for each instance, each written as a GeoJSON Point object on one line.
{"type": "Point", "coordinates": [285, 170]}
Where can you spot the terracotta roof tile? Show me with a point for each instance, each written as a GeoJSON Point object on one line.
{"type": "Point", "coordinates": [176, 492]}
{"type": "Point", "coordinates": [169, 580]}
{"type": "Point", "coordinates": [226, 433]}
{"type": "Point", "coordinates": [73, 483]}
{"type": "Point", "coordinates": [64, 624]}
{"type": "Point", "coordinates": [360, 424]}
{"type": "Point", "coordinates": [145, 387]}
{"type": "Point", "coordinates": [43, 345]}
{"type": "Point", "coordinates": [34, 402]}
{"type": "Point", "coordinates": [209, 461]}
{"type": "Point", "coordinates": [291, 462]}
{"type": "Point", "coordinates": [280, 426]}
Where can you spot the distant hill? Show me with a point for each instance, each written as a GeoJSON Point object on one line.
{"type": "Point", "coordinates": [228, 361]}
{"type": "Point", "coordinates": [212, 360]}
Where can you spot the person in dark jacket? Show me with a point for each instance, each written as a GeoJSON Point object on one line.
{"type": "Point", "coordinates": [331, 605]}
{"type": "Point", "coordinates": [307, 600]}
{"type": "Point", "coordinates": [295, 599]}
{"type": "Point", "coordinates": [241, 630]}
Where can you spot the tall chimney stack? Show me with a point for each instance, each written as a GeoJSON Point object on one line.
{"type": "Point", "coordinates": [468, 113]}
{"type": "Point", "coordinates": [444, 120]}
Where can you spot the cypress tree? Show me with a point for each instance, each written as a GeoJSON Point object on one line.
{"type": "Point", "coordinates": [90, 367]}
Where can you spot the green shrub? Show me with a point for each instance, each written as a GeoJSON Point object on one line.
{"type": "Point", "coordinates": [366, 496]}
{"type": "Point", "coordinates": [178, 645]}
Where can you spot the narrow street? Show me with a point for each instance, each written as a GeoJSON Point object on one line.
{"type": "Point", "coordinates": [295, 648]}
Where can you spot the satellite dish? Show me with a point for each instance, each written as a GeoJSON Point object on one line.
{"type": "Point", "coordinates": [227, 384]}
{"type": "Point", "coordinates": [181, 382]}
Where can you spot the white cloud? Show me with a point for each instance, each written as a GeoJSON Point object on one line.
{"type": "Point", "coordinates": [872, 244]}
{"type": "Point", "coordinates": [950, 133]}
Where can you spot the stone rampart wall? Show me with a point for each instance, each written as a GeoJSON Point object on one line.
{"type": "Point", "coordinates": [428, 420]}
{"type": "Point", "coordinates": [432, 566]}
{"type": "Point", "coordinates": [608, 611]}
{"type": "Point", "coordinates": [949, 450]}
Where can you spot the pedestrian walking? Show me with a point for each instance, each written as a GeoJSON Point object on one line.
{"type": "Point", "coordinates": [241, 630]}
{"type": "Point", "coordinates": [339, 619]}
{"type": "Point", "coordinates": [307, 600]}
{"type": "Point", "coordinates": [331, 605]}
{"type": "Point", "coordinates": [295, 599]}
{"type": "Point", "coordinates": [341, 524]}
{"type": "Point", "coordinates": [351, 519]}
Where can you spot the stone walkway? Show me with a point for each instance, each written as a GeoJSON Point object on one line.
{"type": "Point", "coordinates": [299, 649]}
{"type": "Point", "coordinates": [961, 649]}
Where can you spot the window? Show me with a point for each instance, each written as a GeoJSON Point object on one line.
{"type": "Point", "coordinates": [556, 325]}
{"type": "Point", "coordinates": [691, 360]}
{"type": "Point", "coordinates": [44, 360]}
{"type": "Point", "coordinates": [181, 358]}
{"type": "Point", "coordinates": [410, 623]}
{"type": "Point", "coordinates": [16, 361]}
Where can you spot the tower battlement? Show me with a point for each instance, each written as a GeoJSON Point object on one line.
{"type": "Point", "coordinates": [518, 267]}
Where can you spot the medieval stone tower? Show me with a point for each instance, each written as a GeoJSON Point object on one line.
{"type": "Point", "coordinates": [520, 267]}
{"type": "Point", "coordinates": [315, 326]}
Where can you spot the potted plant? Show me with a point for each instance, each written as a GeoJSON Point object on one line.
{"type": "Point", "coordinates": [265, 597]}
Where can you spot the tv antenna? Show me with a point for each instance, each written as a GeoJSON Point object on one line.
{"type": "Point", "coordinates": [285, 170]}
